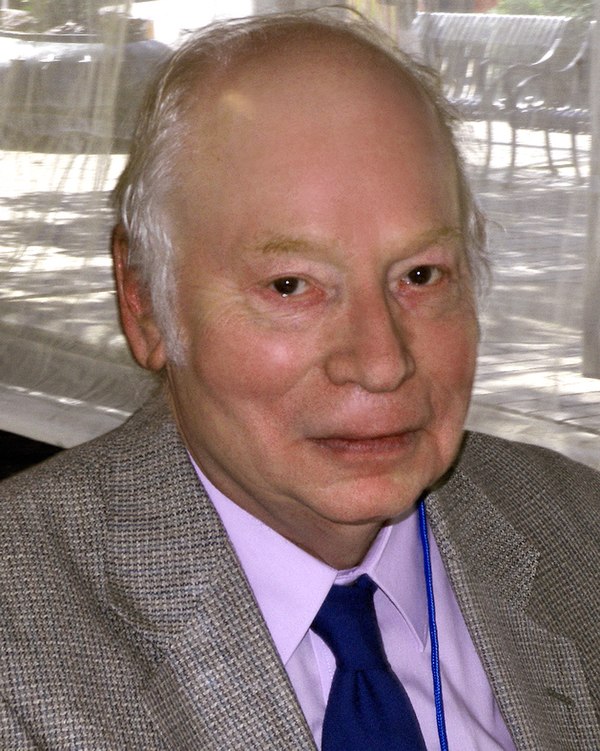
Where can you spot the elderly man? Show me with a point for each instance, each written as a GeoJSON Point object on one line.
{"type": "Point", "coordinates": [296, 547]}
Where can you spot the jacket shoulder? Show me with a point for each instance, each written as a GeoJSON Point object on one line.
{"type": "Point", "coordinates": [69, 667]}
{"type": "Point", "coordinates": [528, 480]}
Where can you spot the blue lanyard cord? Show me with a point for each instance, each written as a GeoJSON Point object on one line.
{"type": "Point", "coordinates": [435, 649]}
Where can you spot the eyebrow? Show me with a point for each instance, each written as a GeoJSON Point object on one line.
{"type": "Point", "coordinates": [285, 245]}
{"type": "Point", "coordinates": [289, 245]}
{"type": "Point", "coordinates": [434, 237]}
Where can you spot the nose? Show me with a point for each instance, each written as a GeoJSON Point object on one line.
{"type": "Point", "coordinates": [370, 347]}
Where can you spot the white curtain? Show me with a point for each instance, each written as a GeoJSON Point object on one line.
{"type": "Point", "coordinates": [67, 102]}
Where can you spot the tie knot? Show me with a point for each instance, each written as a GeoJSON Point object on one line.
{"type": "Point", "coordinates": [347, 623]}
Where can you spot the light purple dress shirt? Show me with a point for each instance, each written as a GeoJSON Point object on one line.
{"type": "Point", "coordinates": [290, 585]}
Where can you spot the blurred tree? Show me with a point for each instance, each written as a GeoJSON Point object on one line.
{"type": "Point", "coordinates": [53, 13]}
{"type": "Point", "coordinates": [583, 8]}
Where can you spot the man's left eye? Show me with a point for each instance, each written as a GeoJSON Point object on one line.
{"type": "Point", "coordinates": [422, 275]}
{"type": "Point", "coordinates": [288, 285]}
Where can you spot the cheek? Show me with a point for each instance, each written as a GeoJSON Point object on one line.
{"type": "Point", "coordinates": [451, 350]}
{"type": "Point", "coordinates": [239, 361]}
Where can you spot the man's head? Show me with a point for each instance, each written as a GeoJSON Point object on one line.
{"type": "Point", "coordinates": [318, 326]}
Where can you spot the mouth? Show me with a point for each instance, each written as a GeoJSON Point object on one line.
{"type": "Point", "coordinates": [368, 445]}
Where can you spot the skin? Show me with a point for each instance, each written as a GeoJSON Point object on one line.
{"type": "Point", "coordinates": [324, 297]}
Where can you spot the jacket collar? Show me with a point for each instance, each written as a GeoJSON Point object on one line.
{"type": "Point", "coordinates": [172, 576]}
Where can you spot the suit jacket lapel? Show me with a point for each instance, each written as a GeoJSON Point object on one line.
{"type": "Point", "coordinates": [221, 684]}
{"type": "Point", "coordinates": [536, 675]}
{"type": "Point", "coordinates": [172, 576]}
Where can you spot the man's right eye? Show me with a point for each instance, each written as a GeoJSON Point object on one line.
{"type": "Point", "coordinates": [288, 285]}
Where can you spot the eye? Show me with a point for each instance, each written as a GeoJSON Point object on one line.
{"type": "Point", "coordinates": [288, 285]}
{"type": "Point", "coordinates": [422, 275]}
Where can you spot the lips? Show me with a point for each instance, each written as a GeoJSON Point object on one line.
{"type": "Point", "coordinates": [383, 443]}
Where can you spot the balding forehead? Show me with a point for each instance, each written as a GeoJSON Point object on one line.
{"type": "Point", "coordinates": [302, 96]}
{"type": "Point", "coordinates": [305, 63]}
{"type": "Point", "coordinates": [305, 47]}
{"type": "Point", "coordinates": [310, 48]}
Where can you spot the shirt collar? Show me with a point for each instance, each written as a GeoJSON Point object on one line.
{"type": "Point", "coordinates": [395, 563]}
{"type": "Point", "coordinates": [290, 585]}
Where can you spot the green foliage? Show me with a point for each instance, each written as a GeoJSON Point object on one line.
{"type": "Point", "coordinates": [583, 8]}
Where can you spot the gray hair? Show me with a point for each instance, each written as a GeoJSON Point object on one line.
{"type": "Point", "coordinates": [205, 55]}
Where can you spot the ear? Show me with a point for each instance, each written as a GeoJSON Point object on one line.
{"type": "Point", "coordinates": [135, 309]}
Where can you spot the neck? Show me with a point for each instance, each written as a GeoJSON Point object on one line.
{"type": "Point", "coordinates": [340, 549]}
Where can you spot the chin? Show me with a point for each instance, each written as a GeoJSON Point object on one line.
{"type": "Point", "coordinates": [370, 501]}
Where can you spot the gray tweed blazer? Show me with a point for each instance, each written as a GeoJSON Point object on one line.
{"type": "Point", "coordinates": [127, 624]}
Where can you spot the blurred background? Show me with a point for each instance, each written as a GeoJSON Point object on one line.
{"type": "Point", "coordinates": [523, 73]}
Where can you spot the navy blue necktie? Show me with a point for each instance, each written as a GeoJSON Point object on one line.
{"type": "Point", "coordinates": [368, 708]}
